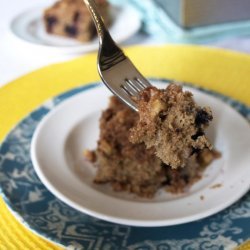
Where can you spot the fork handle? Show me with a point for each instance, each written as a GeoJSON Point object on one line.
{"type": "Point", "coordinates": [102, 31]}
{"type": "Point", "coordinates": [108, 47]}
{"type": "Point", "coordinates": [97, 18]}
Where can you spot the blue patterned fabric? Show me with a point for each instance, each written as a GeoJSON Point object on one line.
{"type": "Point", "coordinates": [43, 213]}
{"type": "Point", "coordinates": [159, 25]}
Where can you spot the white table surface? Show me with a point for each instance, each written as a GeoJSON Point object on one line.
{"type": "Point", "coordinates": [17, 59]}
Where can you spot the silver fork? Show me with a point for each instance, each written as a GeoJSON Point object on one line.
{"type": "Point", "coordinates": [117, 72]}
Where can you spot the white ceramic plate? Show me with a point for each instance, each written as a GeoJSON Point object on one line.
{"type": "Point", "coordinates": [28, 26]}
{"type": "Point", "coordinates": [57, 154]}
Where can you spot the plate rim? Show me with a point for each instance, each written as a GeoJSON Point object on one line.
{"type": "Point", "coordinates": [19, 215]}
{"type": "Point", "coordinates": [126, 221]}
{"type": "Point", "coordinates": [88, 47]}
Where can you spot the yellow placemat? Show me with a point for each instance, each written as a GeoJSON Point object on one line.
{"type": "Point", "coordinates": [223, 71]}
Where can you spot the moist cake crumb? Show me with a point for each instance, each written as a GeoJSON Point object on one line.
{"type": "Point", "coordinates": [89, 155]}
{"type": "Point", "coordinates": [216, 186]}
{"type": "Point", "coordinates": [171, 124]}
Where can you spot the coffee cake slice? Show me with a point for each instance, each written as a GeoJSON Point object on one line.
{"type": "Point", "coordinates": [132, 167]}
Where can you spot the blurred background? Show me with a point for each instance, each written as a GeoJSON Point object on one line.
{"type": "Point", "coordinates": [37, 33]}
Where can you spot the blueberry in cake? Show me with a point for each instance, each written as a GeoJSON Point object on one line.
{"type": "Point", "coordinates": [71, 18]}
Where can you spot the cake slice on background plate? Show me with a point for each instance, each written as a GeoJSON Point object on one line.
{"type": "Point", "coordinates": [71, 18]}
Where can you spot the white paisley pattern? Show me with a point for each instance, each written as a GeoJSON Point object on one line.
{"type": "Point", "coordinates": [42, 212]}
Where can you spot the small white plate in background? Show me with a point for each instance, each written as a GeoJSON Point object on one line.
{"type": "Point", "coordinates": [28, 27]}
